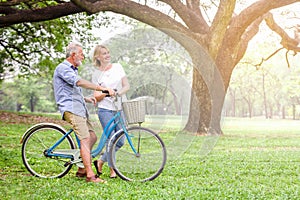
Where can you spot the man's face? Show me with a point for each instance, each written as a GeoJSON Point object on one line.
{"type": "Point", "coordinates": [78, 57]}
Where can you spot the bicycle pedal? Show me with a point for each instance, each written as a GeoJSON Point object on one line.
{"type": "Point", "coordinates": [80, 165]}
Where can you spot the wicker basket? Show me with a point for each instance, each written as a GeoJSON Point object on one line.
{"type": "Point", "coordinates": [134, 111]}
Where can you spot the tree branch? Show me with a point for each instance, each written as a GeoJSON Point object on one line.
{"type": "Point", "coordinates": [194, 20]}
{"type": "Point", "coordinates": [238, 26]}
{"type": "Point", "coordinates": [142, 13]}
{"type": "Point", "coordinates": [266, 59]}
{"type": "Point", "coordinates": [16, 16]}
{"type": "Point", "coordinates": [251, 31]}
{"type": "Point", "coordinates": [287, 59]}
{"type": "Point", "coordinates": [194, 5]}
{"type": "Point", "coordinates": [220, 24]}
{"type": "Point", "coordinates": [240, 22]}
{"type": "Point", "coordinates": [286, 41]}
{"type": "Point", "coordinates": [13, 2]}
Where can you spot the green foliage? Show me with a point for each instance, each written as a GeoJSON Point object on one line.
{"type": "Point", "coordinates": [34, 94]}
{"type": "Point", "coordinates": [256, 159]}
{"type": "Point", "coordinates": [36, 42]}
{"type": "Point", "coordinates": [36, 48]}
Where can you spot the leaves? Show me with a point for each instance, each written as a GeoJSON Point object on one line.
{"type": "Point", "coordinates": [35, 48]}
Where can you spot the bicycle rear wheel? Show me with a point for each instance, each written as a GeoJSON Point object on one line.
{"type": "Point", "coordinates": [37, 141]}
{"type": "Point", "coordinates": [147, 163]}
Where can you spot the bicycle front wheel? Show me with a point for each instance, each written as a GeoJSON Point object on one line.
{"type": "Point", "coordinates": [147, 163]}
{"type": "Point", "coordinates": [34, 147]}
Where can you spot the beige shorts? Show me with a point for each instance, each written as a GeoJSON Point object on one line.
{"type": "Point", "coordinates": [82, 126]}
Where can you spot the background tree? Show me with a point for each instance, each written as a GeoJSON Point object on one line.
{"type": "Point", "coordinates": [270, 84]}
{"type": "Point", "coordinates": [31, 48]}
{"type": "Point", "coordinates": [292, 88]}
{"type": "Point", "coordinates": [31, 95]}
{"type": "Point", "coordinates": [222, 40]}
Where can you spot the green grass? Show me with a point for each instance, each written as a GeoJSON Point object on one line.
{"type": "Point", "coordinates": [255, 159]}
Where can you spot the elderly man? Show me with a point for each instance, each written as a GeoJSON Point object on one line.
{"type": "Point", "coordinates": [72, 105]}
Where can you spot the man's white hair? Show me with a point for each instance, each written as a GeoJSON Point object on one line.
{"type": "Point", "coordinates": [72, 47]}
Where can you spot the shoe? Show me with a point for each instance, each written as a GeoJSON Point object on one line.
{"type": "Point", "coordinates": [80, 175]}
{"type": "Point", "coordinates": [96, 166]}
{"type": "Point", "coordinates": [95, 179]}
{"type": "Point", "coordinates": [112, 173]}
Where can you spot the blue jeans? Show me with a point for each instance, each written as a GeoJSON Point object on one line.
{"type": "Point", "coordinates": [105, 116]}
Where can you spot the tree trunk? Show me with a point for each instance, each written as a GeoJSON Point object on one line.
{"type": "Point", "coordinates": [32, 102]}
{"type": "Point", "coordinates": [19, 107]}
{"type": "Point", "coordinates": [176, 103]}
{"type": "Point", "coordinates": [265, 96]}
{"type": "Point", "coordinates": [294, 112]}
{"type": "Point", "coordinates": [207, 100]}
{"type": "Point", "coordinates": [200, 106]}
{"type": "Point", "coordinates": [249, 103]}
{"type": "Point", "coordinates": [283, 112]}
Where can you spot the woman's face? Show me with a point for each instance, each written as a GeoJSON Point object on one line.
{"type": "Point", "coordinates": [104, 56]}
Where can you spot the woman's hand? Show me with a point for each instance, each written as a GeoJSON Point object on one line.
{"type": "Point", "coordinates": [111, 92]}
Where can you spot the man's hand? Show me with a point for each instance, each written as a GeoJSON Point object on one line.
{"type": "Point", "coordinates": [91, 100]}
{"type": "Point", "coordinates": [99, 95]}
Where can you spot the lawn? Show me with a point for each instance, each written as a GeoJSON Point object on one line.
{"type": "Point", "coordinates": [255, 159]}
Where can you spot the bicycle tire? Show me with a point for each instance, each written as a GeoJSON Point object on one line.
{"type": "Point", "coordinates": [148, 164]}
{"type": "Point", "coordinates": [36, 142]}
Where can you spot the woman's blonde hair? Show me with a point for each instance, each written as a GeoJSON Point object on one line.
{"type": "Point", "coordinates": [97, 49]}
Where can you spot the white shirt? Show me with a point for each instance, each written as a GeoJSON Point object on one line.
{"type": "Point", "coordinates": [111, 78]}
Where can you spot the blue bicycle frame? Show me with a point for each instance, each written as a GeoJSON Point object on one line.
{"type": "Point", "coordinates": [49, 151]}
{"type": "Point", "coordinates": [108, 129]}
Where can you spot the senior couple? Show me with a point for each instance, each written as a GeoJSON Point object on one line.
{"type": "Point", "coordinates": [72, 104]}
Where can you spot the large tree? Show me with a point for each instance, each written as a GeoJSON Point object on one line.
{"type": "Point", "coordinates": [215, 46]}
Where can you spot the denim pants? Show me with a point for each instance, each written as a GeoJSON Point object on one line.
{"type": "Point", "coordinates": [105, 116]}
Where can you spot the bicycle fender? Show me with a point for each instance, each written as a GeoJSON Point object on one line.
{"type": "Point", "coordinates": [36, 126]}
{"type": "Point", "coordinates": [113, 138]}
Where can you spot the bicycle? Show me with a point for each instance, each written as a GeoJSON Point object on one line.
{"type": "Point", "coordinates": [49, 151]}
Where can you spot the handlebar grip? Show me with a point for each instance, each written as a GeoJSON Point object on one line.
{"type": "Point", "coordinates": [107, 93]}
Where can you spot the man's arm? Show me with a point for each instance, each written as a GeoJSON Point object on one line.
{"type": "Point", "coordinates": [89, 85]}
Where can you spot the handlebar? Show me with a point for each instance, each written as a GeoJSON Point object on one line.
{"type": "Point", "coordinates": [107, 93]}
